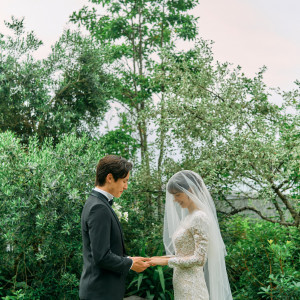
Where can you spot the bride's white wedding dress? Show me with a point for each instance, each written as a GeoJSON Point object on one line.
{"type": "Point", "coordinates": [191, 243]}
{"type": "Point", "coordinates": [195, 239]}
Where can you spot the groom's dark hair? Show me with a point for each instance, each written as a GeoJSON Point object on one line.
{"type": "Point", "coordinates": [114, 164]}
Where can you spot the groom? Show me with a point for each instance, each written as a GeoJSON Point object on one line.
{"type": "Point", "coordinates": [105, 263]}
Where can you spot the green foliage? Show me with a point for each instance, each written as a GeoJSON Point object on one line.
{"type": "Point", "coordinates": [221, 122]}
{"type": "Point", "coordinates": [66, 91]}
{"type": "Point", "coordinates": [263, 259]}
{"type": "Point", "coordinates": [132, 31]}
{"type": "Point", "coordinates": [141, 231]}
{"type": "Point", "coordinates": [228, 131]}
{"type": "Point", "coordinates": [122, 21]}
{"type": "Point", "coordinates": [22, 82]}
{"type": "Point", "coordinates": [153, 283]}
{"type": "Point", "coordinates": [120, 140]}
{"type": "Point", "coordinates": [42, 190]}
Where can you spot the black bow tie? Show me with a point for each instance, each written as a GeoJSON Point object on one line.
{"type": "Point", "coordinates": [111, 202]}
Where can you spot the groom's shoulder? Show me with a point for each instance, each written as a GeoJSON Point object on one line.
{"type": "Point", "coordinates": [93, 205]}
{"type": "Point", "coordinates": [95, 199]}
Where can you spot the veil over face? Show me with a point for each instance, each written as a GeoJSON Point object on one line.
{"type": "Point", "coordinates": [191, 184]}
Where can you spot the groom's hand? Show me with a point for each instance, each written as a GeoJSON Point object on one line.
{"type": "Point", "coordinates": [140, 264]}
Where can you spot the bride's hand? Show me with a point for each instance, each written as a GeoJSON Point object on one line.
{"type": "Point", "coordinates": [159, 261]}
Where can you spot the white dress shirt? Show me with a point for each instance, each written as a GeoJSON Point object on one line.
{"type": "Point", "coordinates": [106, 194]}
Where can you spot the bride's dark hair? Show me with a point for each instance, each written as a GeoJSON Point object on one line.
{"type": "Point", "coordinates": [178, 182]}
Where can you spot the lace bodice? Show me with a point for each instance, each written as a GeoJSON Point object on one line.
{"type": "Point", "coordinates": [191, 244]}
{"type": "Point", "coordinates": [191, 241]}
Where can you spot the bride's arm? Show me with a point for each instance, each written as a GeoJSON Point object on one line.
{"type": "Point", "coordinates": [199, 230]}
{"type": "Point", "coordinates": [159, 260]}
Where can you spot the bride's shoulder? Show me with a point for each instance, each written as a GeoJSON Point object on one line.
{"type": "Point", "coordinates": [200, 216]}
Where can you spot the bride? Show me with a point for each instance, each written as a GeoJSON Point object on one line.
{"type": "Point", "coordinates": [191, 232]}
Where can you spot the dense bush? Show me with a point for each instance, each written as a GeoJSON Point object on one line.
{"type": "Point", "coordinates": [42, 192]}
{"type": "Point", "coordinates": [263, 259]}
{"type": "Point", "coordinates": [262, 262]}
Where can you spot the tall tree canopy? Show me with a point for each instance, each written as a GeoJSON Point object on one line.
{"type": "Point", "coordinates": [67, 91]}
{"type": "Point", "coordinates": [230, 132]}
{"type": "Point", "coordinates": [219, 120]}
{"type": "Point", "coordinates": [135, 31]}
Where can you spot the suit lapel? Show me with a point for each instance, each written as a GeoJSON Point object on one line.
{"type": "Point", "coordinates": [105, 201]}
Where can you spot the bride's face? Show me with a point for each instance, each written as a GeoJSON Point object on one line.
{"type": "Point", "coordinates": [182, 199]}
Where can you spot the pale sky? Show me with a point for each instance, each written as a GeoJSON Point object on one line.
{"type": "Point", "coordinates": [249, 33]}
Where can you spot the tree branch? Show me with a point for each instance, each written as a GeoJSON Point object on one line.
{"type": "Point", "coordinates": [280, 212]}
{"type": "Point", "coordinates": [295, 215]}
{"type": "Point", "coordinates": [64, 89]}
{"type": "Point", "coordinates": [238, 210]}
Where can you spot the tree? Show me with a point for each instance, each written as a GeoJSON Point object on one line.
{"type": "Point", "coordinates": [119, 141]}
{"type": "Point", "coordinates": [232, 134]}
{"type": "Point", "coordinates": [68, 91]}
{"type": "Point", "coordinates": [22, 82]}
{"type": "Point", "coordinates": [135, 32]}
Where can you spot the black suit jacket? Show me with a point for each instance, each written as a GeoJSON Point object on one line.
{"type": "Point", "coordinates": [105, 264]}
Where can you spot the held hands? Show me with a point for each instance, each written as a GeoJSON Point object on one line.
{"type": "Point", "coordinates": [140, 264]}
{"type": "Point", "coordinates": [159, 260]}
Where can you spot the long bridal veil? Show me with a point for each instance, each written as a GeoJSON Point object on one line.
{"type": "Point", "coordinates": [192, 185]}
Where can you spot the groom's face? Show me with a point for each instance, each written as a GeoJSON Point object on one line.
{"type": "Point", "coordinates": [119, 186]}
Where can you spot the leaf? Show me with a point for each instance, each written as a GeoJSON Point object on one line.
{"type": "Point", "coordinates": [161, 277]}
{"type": "Point", "coordinates": [140, 279]}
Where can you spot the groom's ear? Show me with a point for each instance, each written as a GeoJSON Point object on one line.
{"type": "Point", "coordinates": [109, 178]}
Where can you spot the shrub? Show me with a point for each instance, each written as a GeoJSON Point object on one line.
{"type": "Point", "coordinates": [263, 259]}
{"type": "Point", "coordinates": [42, 191]}
{"type": "Point", "coordinates": [153, 283]}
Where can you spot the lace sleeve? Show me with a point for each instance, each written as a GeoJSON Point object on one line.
{"type": "Point", "coordinates": [199, 230]}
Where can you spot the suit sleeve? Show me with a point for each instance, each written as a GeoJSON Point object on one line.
{"type": "Point", "coordinates": [99, 224]}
